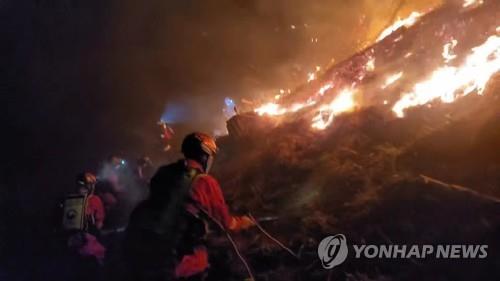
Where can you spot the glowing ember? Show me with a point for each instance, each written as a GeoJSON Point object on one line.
{"type": "Point", "coordinates": [448, 54]}
{"type": "Point", "coordinates": [407, 22]}
{"type": "Point", "coordinates": [370, 65]}
{"type": "Point", "coordinates": [448, 83]}
{"type": "Point", "coordinates": [392, 79]}
{"type": "Point", "coordinates": [344, 102]}
{"type": "Point", "coordinates": [311, 76]}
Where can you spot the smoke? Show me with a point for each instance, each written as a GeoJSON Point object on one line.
{"type": "Point", "coordinates": [242, 49]}
{"type": "Point", "coordinates": [175, 113]}
{"type": "Point", "coordinates": [121, 187]}
{"type": "Point", "coordinates": [88, 79]}
{"type": "Point", "coordinates": [85, 79]}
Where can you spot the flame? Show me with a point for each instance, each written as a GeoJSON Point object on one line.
{"type": "Point", "coordinates": [274, 109]}
{"type": "Point", "coordinates": [271, 108]}
{"type": "Point", "coordinates": [344, 102]}
{"type": "Point", "coordinates": [392, 79]}
{"type": "Point", "coordinates": [448, 83]}
{"type": "Point", "coordinates": [407, 22]}
{"type": "Point", "coordinates": [325, 88]}
{"type": "Point", "coordinates": [468, 3]}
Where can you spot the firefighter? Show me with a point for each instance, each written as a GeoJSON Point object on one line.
{"type": "Point", "coordinates": [84, 216]}
{"type": "Point", "coordinates": [116, 180]}
{"type": "Point", "coordinates": [85, 240]}
{"type": "Point", "coordinates": [144, 169]}
{"type": "Point", "coordinates": [165, 236]}
{"type": "Point", "coordinates": [167, 133]}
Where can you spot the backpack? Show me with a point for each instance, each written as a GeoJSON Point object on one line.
{"type": "Point", "coordinates": [74, 218]}
{"type": "Point", "coordinates": [160, 228]}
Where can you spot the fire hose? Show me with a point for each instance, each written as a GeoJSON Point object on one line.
{"type": "Point", "coordinates": [235, 246]}
{"type": "Point", "coordinates": [231, 240]}
{"type": "Point", "coordinates": [271, 237]}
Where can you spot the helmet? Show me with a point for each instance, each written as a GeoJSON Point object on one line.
{"type": "Point", "coordinates": [86, 180]}
{"type": "Point", "coordinates": [200, 147]}
{"type": "Point", "coordinates": [116, 162]}
{"type": "Point", "coordinates": [197, 142]}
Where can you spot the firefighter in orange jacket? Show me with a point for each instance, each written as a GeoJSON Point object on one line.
{"type": "Point", "coordinates": [165, 234]}
{"type": "Point", "coordinates": [85, 242]}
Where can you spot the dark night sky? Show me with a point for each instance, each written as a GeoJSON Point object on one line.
{"type": "Point", "coordinates": [81, 80]}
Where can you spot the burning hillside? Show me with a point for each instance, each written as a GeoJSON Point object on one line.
{"type": "Point", "coordinates": [397, 145]}
{"type": "Point", "coordinates": [438, 55]}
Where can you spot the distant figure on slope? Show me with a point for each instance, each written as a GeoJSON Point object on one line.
{"type": "Point", "coordinates": [167, 133]}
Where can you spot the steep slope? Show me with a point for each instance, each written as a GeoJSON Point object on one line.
{"type": "Point", "coordinates": [428, 178]}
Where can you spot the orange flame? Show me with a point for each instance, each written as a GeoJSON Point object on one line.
{"type": "Point", "coordinates": [274, 109]}
{"type": "Point", "coordinates": [449, 83]}
{"type": "Point", "coordinates": [344, 102]}
{"type": "Point", "coordinates": [407, 22]}
{"type": "Point", "coordinates": [446, 83]}
{"type": "Point", "coordinates": [468, 3]}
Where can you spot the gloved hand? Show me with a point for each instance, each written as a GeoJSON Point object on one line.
{"type": "Point", "coordinates": [240, 223]}
{"type": "Point", "coordinates": [246, 222]}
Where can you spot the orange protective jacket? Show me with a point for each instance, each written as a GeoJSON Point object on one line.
{"type": "Point", "coordinates": [207, 194]}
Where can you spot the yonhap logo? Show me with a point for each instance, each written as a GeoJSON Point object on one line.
{"type": "Point", "coordinates": [332, 251]}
